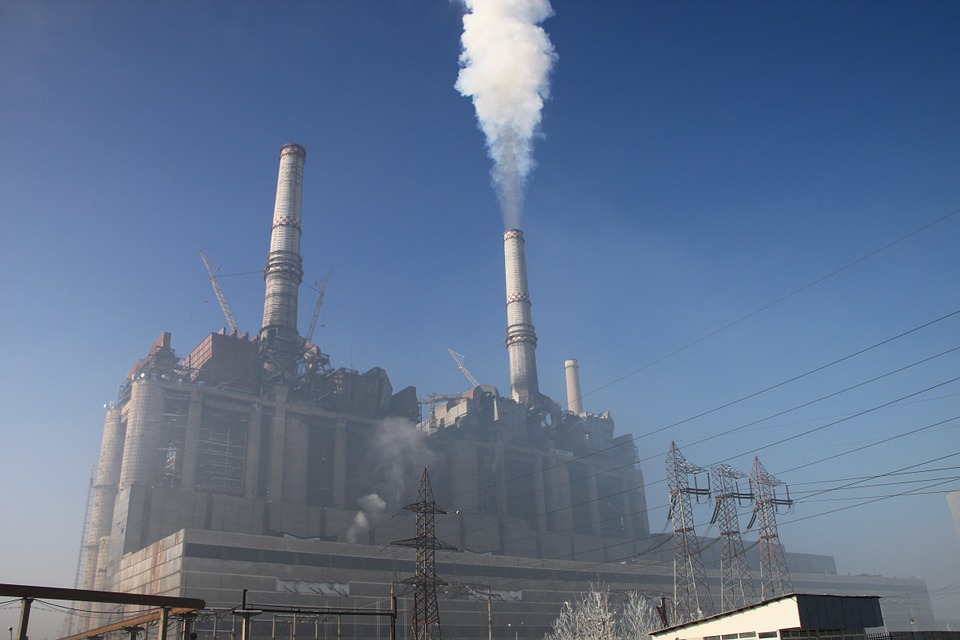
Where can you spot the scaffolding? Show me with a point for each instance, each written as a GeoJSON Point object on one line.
{"type": "Point", "coordinates": [222, 451]}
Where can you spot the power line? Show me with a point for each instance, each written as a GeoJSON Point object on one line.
{"type": "Point", "coordinates": [873, 444]}
{"type": "Point", "coordinates": [878, 484]}
{"type": "Point", "coordinates": [825, 397]}
{"type": "Point", "coordinates": [836, 422]}
{"type": "Point", "coordinates": [919, 492]}
{"type": "Point", "coordinates": [494, 485]}
{"type": "Point", "coordinates": [649, 484]}
{"type": "Point", "coordinates": [903, 473]}
{"type": "Point", "coordinates": [649, 509]}
{"type": "Point", "coordinates": [881, 475]}
{"type": "Point", "coordinates": [860, 504]}
{"type": "Point", "coordinates": [776, 302]}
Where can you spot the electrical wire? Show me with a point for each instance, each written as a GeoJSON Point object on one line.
{"type": "Point", "coordinates": [659, 481]}
{"type": "Point", "coordinates": [776, 302]}
{"type": "Point", "coordinates": [881, 475]}
{"type": "Point", "coordinates": [498, 483]}
{"type": "Point", "coordinates": [873, 444]}
{"type": "Point", "coordinates": [866, 502]}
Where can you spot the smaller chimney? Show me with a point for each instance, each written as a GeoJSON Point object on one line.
{"type": "Point", "coordinates": [572, 369]}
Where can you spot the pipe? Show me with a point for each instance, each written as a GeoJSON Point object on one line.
{"type": "Point", "coordinates": [521, 338]}
{"type": "Point", "coordinates": [572, 370]}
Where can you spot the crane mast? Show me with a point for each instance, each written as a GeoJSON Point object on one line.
{"type": "Point", "coordinates": [459, 358]}
{"type": "Point", "coordinates": [321, 289]}
{"type": "Point", "coordinates": [222, 299]}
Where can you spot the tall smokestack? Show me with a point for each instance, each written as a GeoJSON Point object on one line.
{"type": "Point", "coordinates": [284, 271]}
{"type": "Point", "coordinates": [521, 338]}
{"type": "Point", "coordinates": [572, 369]}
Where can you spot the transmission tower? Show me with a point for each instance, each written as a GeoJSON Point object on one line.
{"type": "Point", "coordinates": [425, 623]}
{"type": "Point", "coordinates": [774, 574]}
{"type": "Point", "coordinates": [691, 593]}
{"type": "Point", "coordinates": [736, 583]}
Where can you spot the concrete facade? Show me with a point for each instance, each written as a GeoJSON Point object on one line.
{"type": "Point", "coordinates": [251, 463]}
{"type": "Point", "coordinates": [310, 573]}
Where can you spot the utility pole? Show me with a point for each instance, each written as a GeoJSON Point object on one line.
{"type": "Point", "coordinates": [489, 614]}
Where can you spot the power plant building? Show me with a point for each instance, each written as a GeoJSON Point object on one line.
{"type": "Point", "coordinates": [250, 463]}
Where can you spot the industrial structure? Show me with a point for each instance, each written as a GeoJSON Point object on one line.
{"type": "Point", "coordinates": [250, 464]}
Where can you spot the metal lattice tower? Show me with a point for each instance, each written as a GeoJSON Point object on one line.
{"type": "Point", "coordinates": [691, 593]}
{"type": "Point", "coordinates": [736, 583]}
{"type": "Point", "coordinates": [425, 623]}
{"type": "Point", "coordinates": [774, 574]}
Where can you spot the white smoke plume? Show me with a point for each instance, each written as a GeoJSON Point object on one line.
{"type": "Point", "coordinates": [398, 453]}
{"type": "Point", "coordinates": [371, 510]}
{"type": "Point", "coordinates": [505, 64]}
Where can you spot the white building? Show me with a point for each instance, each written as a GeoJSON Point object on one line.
{"type": "Point", "coordinates": [796, 616]}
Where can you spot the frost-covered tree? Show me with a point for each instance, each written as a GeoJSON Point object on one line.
{"type": "Point", "coordinates": [639, 617]}
{"type": "Point", "coordinates": [596, 615]}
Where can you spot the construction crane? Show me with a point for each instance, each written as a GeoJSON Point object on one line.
{"type": "Point", "coordinates": [222, 299]}
{"type": "Point", "coordinates": [459, 358]}
{"type": "Point", "coordinates": [321, 288]}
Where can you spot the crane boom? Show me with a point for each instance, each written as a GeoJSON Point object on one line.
{"type": "Point", "coordinates": [321, 289]}
{"type": "Point", "coordinates": [222, 299]}
{"type": "Point", "coordinates": [459, 358]}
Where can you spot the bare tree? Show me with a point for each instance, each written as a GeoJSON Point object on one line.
{"type": "Point", "coordinates": [639, 617]}
{"type": "Point", "coordinates": [593, 616]}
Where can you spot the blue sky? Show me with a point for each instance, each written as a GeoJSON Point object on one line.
{"type": "Point", "coordinates": [699, 161]}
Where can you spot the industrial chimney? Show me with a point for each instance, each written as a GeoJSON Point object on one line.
{"type": "Point", "coordinates": [521, 338]}
{"type": "Point", "coordinates": [279, 340]}
{"type": "Point", "coordinates": [572, 369]}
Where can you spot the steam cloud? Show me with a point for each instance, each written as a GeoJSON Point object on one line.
{"type": "Point", "coordinates": [398, 454]}
{"type": "Point", "coordinates": [505, 63]}
{"type": "Point", "coordinates": [371, 508]}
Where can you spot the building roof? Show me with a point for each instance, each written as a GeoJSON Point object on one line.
{"type": "Point", "coordinates": [811, 611]}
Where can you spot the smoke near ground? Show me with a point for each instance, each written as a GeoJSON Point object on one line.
{"type": "Point", "coordinates": [371, 510]}
{"type": "Point", "coordinates": [505, 65]}
{"type": "Point", "coordinates": [399, 453]}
